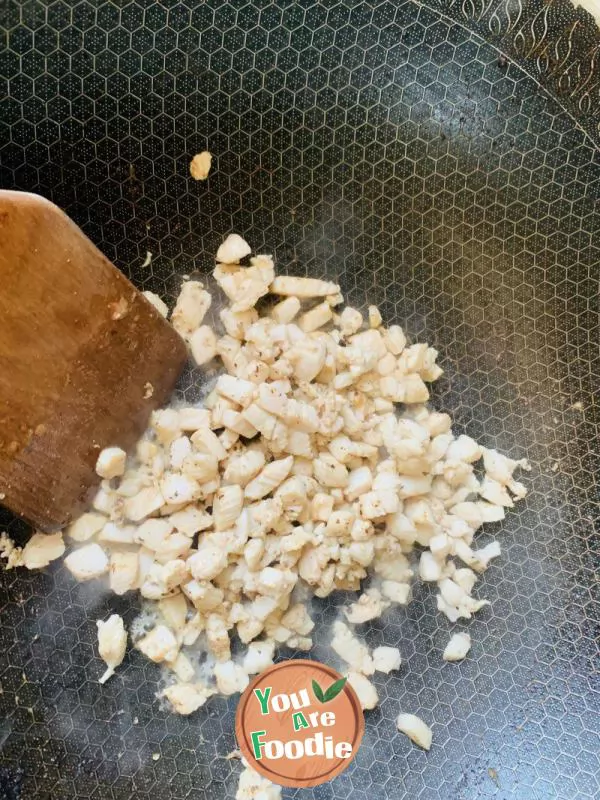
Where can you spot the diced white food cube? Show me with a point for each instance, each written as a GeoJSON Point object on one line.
{"type": "Point", "coordinates": [191, 419]}
{"type": "Point", "coordinates": [179, 489]}
{"type": "Point", "coordinates": [203, 345]}
{"type": "Point", "coordinates": [274, 582]}
{"type": "Point", "coordinates": [123, 571]}
{"type": "Point", "coordinates": [208, 562]}
{"type": "Point", "coordinates": [253, 786]}
{"type": "Point", "coordinates": [183, 668]}
{"type": "Point", "coordinates": [112, 643]}
{"type": "Point", "coordinates": [190, 309]}
{"type": "Point", "coordinates": [365, 691]}
{"type": "Point", "coordinates": [330, 472]}
{"type": "Point", "coordinates": [230, 677]}
{"type": "Point", "coordinates": [227, 506]}
{"type": "Point", "coordinates": [244, 466]}
{"type": "Point", "coordinates": [41, 549]}
{"type": "Point", "coordinates": [111, 462]}
{"type": "Point", "coordinates": [396, 592]}
{"type": "Point", "coordinates": [297, 619]}
{"type": "Point", "coordinates": [112, 533]}
{"type": "Point", "coordinates": [458, 647]}
{"type": "Point", "coordinates": [315, 318]}
{"type": "Point", "coordinates": [369, 605]}
{"type": "Point", "coordinates": [238, 390]}
{"type": "Point", "coordinates": [174, 611]}
{"type": "Point", "coordinates": [233, 249]}
{"type": "Point", "coordinates": [190, 520]}
{"type": "Point", "coordinates": [159, 644]}
{"type": "Point", "coordinates": [143, 504]}
{"type": "Point", "coordinates": [259, 656]}
{"type": "Point", "coordinates": [463, 449]}
{"type": "Point", "coordinates": [374, 317]}
{"type": "Point", "coordinates": [286, 310]}
{"type": "Point", "coordinates": [386, 659]}
{"type": "Point", "coordinates": [187, 697]}
{"type": "Point", "coordinates": [350, 321]}
{"type": "Point", "coordinates": [429, 568]}
{"type": "Point", "coordinates": [302, 287]}
{"type": "Point", "coordinates": [351, 649]}
{"type": "Point", "coordinates": [415, 729]}
{"type": "Point", "coordinates": [157, 302]}
{"type": "Point", "coordinates": [87, 562]}
{"type": "Point", "coordinates": [86, 526]}
{"type": "Point", "coordinates": [484, 555]}
{"type": "Point", "coordinates": [200, 165]}
{"type": "Point", "coordinates": [269, 478]}
{"type": "Point", "coordinates": [359, 482]}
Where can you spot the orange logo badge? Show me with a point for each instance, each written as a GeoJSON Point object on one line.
{"type": "Point", "coordinates": [299, 723]}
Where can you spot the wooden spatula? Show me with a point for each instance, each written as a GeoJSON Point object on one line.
{"type": "Point", "coordinates": [84, 359]}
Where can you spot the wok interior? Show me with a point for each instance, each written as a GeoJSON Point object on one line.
{"type": "Point", "coordinates": [391, 147]}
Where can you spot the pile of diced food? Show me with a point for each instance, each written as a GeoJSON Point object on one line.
{"type": "Point", "coordinates": [313, 465]}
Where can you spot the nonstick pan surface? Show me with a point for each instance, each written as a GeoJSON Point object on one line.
{"type": "Point", "coordinates": [441, 159]}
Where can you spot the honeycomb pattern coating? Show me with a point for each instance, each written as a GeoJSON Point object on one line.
{"type": "Point", "coordinates": [389, 146]}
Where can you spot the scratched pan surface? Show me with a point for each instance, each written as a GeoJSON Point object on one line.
{"type": "Point", "coordinates": [442, 160]}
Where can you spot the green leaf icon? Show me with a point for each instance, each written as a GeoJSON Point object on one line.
{"type": "Point", "coordinates": [332, 692]}
{"type": "Point", "coordinates": [318, 692]}
{"type": "Point", "coordinates": [335, 689]}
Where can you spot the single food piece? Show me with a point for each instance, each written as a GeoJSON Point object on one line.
{"type": "Point", "coordinates": [369, 605]}
{"type": "Point", "coordinates": [112, 643]}
{"type": "Point", "coordinates": [458, 647]}
{"type": "Point", "coordinates": [87, 562]}
{"type": "Point", "coordinates": [183, 669]}
{"type": "Point", "coordinates": [174, 612]}
{"type": "Point", "coordinates": [190, 309]}
{"type": "Point", "coordinates": [10, 552]}
{"type": "Point", "coordinates": [230, 678]}
{"type": "Point", "coordinates": [217, 637]}
{"type": "Point", "coordinates": [351, 650]}
{"type": "Point", "coordinates": [258, 657]}
{"type": "Point", "coordinates": [375, 319]}
{"type": "Point", "coordinates": [200, 165]}
{"type": "Point", "coordinates": [158, 303]}
{"type": "Point", "coordinates": [242, 467]}
{"type": "Point", "coordinates": [286, 310]}
{"type": "Point", "coordinates": [208, 562]}
{"type": "Point", "coordinates": [302, 287]}
{"type": "Point", "coordinates": [481, 558]}
{"type": "Point", "coordinates": [430, 568]}
{"type": "Point", "coordinates": [111, 462]}
{"type": "Point", "coordinates": [178, 489]}
{"type": "Point", "coordinates": [143, 504]}
{"type": "Point", "coordinates": [351, 321]}
{"type": "Point", "coordinates": [315, 318]}
{"type": "Point", "coordinates": [396, 592]}
{"type": "Point", "coordinates": [253, 786]}
{"type": "Point", "coordinates": [123, 571]}
{"type": "Point", "coordinates": [386, 659]}
{"type": "Point", "coordinates": [416, 730]}
{"type": "Point", "coordinates": [41, 549]}
{"type": "Point", "coordinates": [227, 506]}
{"type": "Point", "coordinates": [233, 249]}
{"type": "Point", "coordinates": [365, 691]}
{"type": "Point", "coordinates": [159, 645]}
{"type": "Point", "coordinates": [269, 478]}
{"type": "Point", "coordinates": [203, 345]}
{"type": "Point", "coordinates": [86, 526]}
{"type": "Point", "coordinates": [187, 697]}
